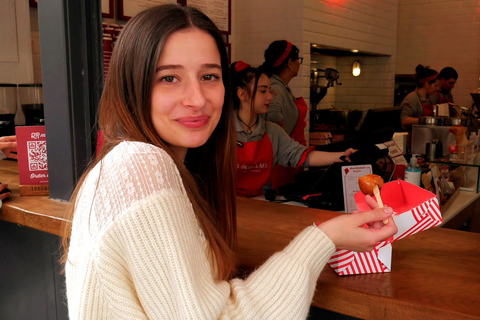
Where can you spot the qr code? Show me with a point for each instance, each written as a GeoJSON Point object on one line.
{"type": "Point", "coordinates": [37, 155]}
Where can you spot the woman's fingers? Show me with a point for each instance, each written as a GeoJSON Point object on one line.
{"type": "Point", "coordinates": [5, 195]}
{"type": "Point", "coordinates": [371, 202]}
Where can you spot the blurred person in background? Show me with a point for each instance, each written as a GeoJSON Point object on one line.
{"type": "Point", "coordinates": [418, 102]}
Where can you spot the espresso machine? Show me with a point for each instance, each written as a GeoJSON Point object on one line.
{"type": "Point", "coordinates": [8, 108]}
{"type": "Point", "coordinates": [31, 101]}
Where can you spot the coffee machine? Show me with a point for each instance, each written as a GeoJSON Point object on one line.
{"type": "Point", "coordinates": [8, 108]}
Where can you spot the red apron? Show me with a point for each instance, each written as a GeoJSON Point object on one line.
{"type": "Point", "coordinates": [298, 133]}
{"type": "Point", "coordinates": [443, 98]}
{"type": "Point", "coordinates": [285, 175]}
{"type": "Point", "coordinates": [427, 107]}
{"type": "Point", "coordinates": [255, 160]}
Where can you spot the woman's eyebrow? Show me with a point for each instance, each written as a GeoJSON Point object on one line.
{"type": "Point", "coordinates": [212, 65]}
{"type": "Point", "coordinates": [177, 66]}
{"type": "Point", "coordinates": [168, 66]}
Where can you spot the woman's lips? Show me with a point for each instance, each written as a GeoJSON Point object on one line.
{"type": "Point", "coordinates": [193, 122]}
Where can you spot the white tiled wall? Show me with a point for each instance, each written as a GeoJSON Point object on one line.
{"type": "Point", "coordinates": [366, 25]}
{"type": "Point", "coordinates": [439, 34]}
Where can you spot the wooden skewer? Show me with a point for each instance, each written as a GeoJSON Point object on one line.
{"type": "Point", "coordinates": [376, 192]}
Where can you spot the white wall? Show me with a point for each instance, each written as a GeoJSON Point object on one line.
{"type": "Point", "coordinates": [366, 25]}
{"type": "Point", "coordinates": [15, 42]}
{"type": "Point", "coordinates": [440, 34]}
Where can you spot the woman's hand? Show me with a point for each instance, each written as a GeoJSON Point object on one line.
{"type": "Point", "coordinates": [5, 195]}
{"type": "Point", "coordinates": [8, 145]}
{"type": "Point", "coordinates": [360, 231]}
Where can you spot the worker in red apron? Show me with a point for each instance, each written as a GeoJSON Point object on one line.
{"type": "Point", "coordinates": [282, 61]}
{"type": "Point", "coordinates": [417, 103]}
{"type": "Point", "coordinates": [448, 78]}
{"type": "Point", "coordinates": [262, 144]}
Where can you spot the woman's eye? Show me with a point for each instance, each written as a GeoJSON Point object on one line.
{"type": "Point", "coordinates": [210, 77]}
{"type": "Point", "coordinates": [168, 79]}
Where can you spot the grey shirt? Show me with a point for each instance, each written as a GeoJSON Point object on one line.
{"type": "Point", "coordinates": [286, 151]}
{"type": "Point", "coordinates": [282, 106]}
{"type": "Point", "coordinates": [441, 97]}
{"type": "Point", "coordinates": [412, 105]}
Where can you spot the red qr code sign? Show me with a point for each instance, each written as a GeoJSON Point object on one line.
{"type": "Point", "coordinates": [37, 155]}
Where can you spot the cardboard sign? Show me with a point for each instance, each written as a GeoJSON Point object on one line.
{"type": "Point", "coordinates": [416, 210]}
{"type": "Point", "coordinates": [350, 175]}
{"type": "Point", "coordinates": [32, 160]}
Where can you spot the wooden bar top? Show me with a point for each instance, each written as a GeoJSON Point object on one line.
{"type": "Point", "coordinates": [37, 212]}
{"type": "Point", "coordinates": [435, 273]}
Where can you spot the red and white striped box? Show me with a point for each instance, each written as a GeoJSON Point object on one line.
{"type": "Point", "coordinates": [416, 209]}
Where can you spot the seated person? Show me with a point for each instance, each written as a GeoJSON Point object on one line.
{"type": "Point", "coordinates": [260, 143]}
{"type": "Point", "coordinates": [448, 77]}
{"type": "Point", "coordinates": [417, 103]}
{"type": "Point", "coordinates": [8, 147]}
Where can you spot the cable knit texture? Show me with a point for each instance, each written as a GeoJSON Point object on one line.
{"type": "Point", "coordinates": [137, 252]}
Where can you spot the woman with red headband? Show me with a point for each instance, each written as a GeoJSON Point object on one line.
{"type": "Point", "coordinates": [418, 103]}
{"type": "Point", "coordinates": [260, 143]}
{"type": "Point", "coordinates": [282, 63]}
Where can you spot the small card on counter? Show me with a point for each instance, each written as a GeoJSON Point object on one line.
{"type": "Point", "coordinates": [350, 175]}
{"type": "Point", "coordinates": [32, 160]}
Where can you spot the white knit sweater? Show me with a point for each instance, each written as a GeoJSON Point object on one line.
{"type": "Point", "coordinates": [137, 252]}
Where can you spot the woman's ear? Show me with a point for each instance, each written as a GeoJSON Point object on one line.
{"type": "Point", "coordinates": [242, 94]}
{"type": "Point", "coordinates": [290, 62]}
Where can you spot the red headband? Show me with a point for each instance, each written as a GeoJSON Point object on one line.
{"type": "Point", "coordinates": [240, 65]}
{"type": "Point", "coordinates": [284, 55]}
{"type": "Point", "coordinates": [428, 79]}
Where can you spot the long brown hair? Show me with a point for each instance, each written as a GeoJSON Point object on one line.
{"type": "Point", "coordinates": [124, 114]}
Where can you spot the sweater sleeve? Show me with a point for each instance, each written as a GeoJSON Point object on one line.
{"type": "Point", "coordinates": [155, 255]}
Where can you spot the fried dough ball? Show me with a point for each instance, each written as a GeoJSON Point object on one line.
{"type": "Point", "coordinates": [368, 182]}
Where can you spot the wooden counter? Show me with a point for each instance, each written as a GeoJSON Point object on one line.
{"type": "Point", "coordinates": [38, 212]}
{"type": "Point", "coordinates": [435, 274]}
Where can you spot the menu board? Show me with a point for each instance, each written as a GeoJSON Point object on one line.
{"type": "Point", "coordinates": [130, 8]}
{"type": "Point", "coordinates": [217, 10]}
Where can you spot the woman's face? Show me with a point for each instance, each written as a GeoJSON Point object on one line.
{"type": "Point", "coordinates": [434, 87]}
{"type": "Point", "coordinates": [263, 96]}
{"type": "Point", "coordinates": [188, 90]}
{"type": "Point", "coordinates": [295, 66]}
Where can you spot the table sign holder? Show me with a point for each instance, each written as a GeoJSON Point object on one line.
{"type": "Point", "coordinates": [32, 160]}
{"type": "Point", "coordinates": [416, 209]}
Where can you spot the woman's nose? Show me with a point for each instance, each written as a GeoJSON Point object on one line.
{"type": "Point", "coordinates": [194, 95]}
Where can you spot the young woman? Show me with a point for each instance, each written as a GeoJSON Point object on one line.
{"type": "Point", "coordinates": [282, 63]}
{"type": "Point", "coordinates": [418, 103]}
{"type": "Point", "coordinates": [8, 147]}
{"type": "Point", "coordinates": [262, 144]}
{"type": "Point", "coordinates": [154, 216]}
